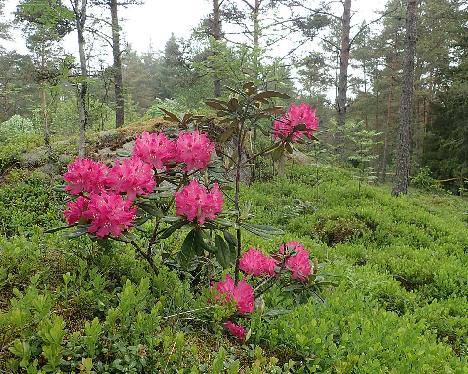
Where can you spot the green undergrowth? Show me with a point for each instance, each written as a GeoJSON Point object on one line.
{"type": "Point", "coordinates": [400, 304]}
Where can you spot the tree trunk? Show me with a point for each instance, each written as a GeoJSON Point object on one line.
{"type": "Point", "coordinates": [216, 32]}
{"type": "Point", "coordinates": [344, 63]}
{"type": "Point", "coordinates": [403, 156]}
{"type": "Point", "coordinates": [256, 38]}
{"type": "Point", "coordinates": [116, 53]}
{"type": "Point", "coordinates": [80, 16]}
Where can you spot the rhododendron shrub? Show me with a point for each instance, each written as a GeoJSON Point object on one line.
{"type": "Point", "coordinates": [176, 180]}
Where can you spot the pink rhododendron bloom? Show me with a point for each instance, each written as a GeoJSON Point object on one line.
{"type": "Point", "coordinates": [236, 330]}
{"type": "Point", "coordinates": [242, 293]}
{"type": "Point", "coordinates": [85, 175]}
{"type": "Point", "coordinates": [194, 149]}
{"type": "Point", "coordinates": [155, 149]}
{"type": "Point", "coordinates": [133, 177]}
{"type": "Point", "coordinates": [301, 114]}
{"type": "Point", "coordinates": [226, 287]}
{"type": "Point", "coordinates": [254, 262]}
{"type": "Point", "coordinates": [195, 202]}
{"type": "Point", "coordinates": [244, 296]}
{"type": "Point", "coordinates": [110, 214]}
{"type": "Point", "coordinates": [298, 262]}
{"type": "Point", "coordinates": [75, 210]}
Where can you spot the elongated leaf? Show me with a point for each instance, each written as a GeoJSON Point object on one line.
{"type": "Point", "coordinates": [203, 243]}
{"type": "Point", "coordinates": [230, 239]}
{"type": "Point", "coordinates": [262, 96]}
{"type": "Point", "coordinates": [170, 219]}
{"type": "Point", "coordinates": [277, 153]}
{"type": "Point", "coordinates": [187, 250]}
{"type": "Point", "coordinates": [223, 254]}
{"type": "Point", "coordinates": [263, 231]}
{"type": "Point", "coordinates": [140, 221]}
{"type": "Point", "coordinates": [276, 312]}
{"type": "Point", "coordinates": [123, 153]}
{"type": "Point", "coordinates": [155, 212]}
{"type": "Point", "coordinates": [274, 110]}
{"type": "Point", "coordinates": [171, 229]}
{"type": "Point", "coordinates": [56, 229]}
{"type": "Point", "coordinates": [227, 134]}
{"type": "Point", "coordinates": [288, 147]}
{"type": "Point", "coordinates": [81, 230]}
{"type": "Point", "coordinates": [187, 118]}
{"type": "Point", "coordinates": [233, 104]}
{"type": "Point", "coordinates": [170, 116]}
{"type": "Point", "coordinates": [216, 104]}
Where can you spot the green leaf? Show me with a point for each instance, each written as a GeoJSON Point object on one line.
{"type": "Point", "coordinates": [229, 238]}
{"type": "Point", "coordinates": [276, 312]}
{"type": "Point", "coordinates": [156, 212]}
{"type": "Point", "coordinates": [55, 229]}
{"type": "Point", "coordinates": [263, 231]}
{"type": "Point", "coordinates": [223, 254]}
{"type": "Point", "coordinates": [274, 110]}
{"type": "Point", "coordinates": [187, 250]}
{"type": "Point", "coordinates": [201, 243]}
{"type": "Point", "coordinates": [123, 153]}
{"type": "Point", "coordinates": [277, 153]}
{"type": "Point", "coordinates": [171, 229]}
{"type": "Point", "coordinates": [81, 230]}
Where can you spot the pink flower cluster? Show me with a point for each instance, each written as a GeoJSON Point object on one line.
{"type": "Point", "coordinates": [254, 262]}
{"type": "Point", "coordinates": [101, 203]}
{"type": "Point", "coordinates": [193, 149]}
{"type": "Point", "coordinates": [132, 177]}
{"type": "Point", "coordinates": [195, 202]}
{"type": "Point", "coordinates": [291, 256]}
{"type": "Point", "coordinates": [107, 194]}
{"type": "Point", "coordinates": [236, 330]}
{"type": "Point", "coordinates": [242, 293]}
{"type": "Point", "coordinates": [296, 259]}
{"type": "Point", "coordinates": [155, 149]}
{"type": "Point", "coordinates": [108, 213]}
{"type": "Point", "coordinates": [285, 127]}
{"type": "Point", "coordinates": [85, 175]}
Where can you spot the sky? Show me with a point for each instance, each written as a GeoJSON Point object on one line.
{"type": "Point", "coordinates": [152, 23]}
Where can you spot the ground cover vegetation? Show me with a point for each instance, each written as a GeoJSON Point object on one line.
{"type": "Point", "coordinates": [393, 297]}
